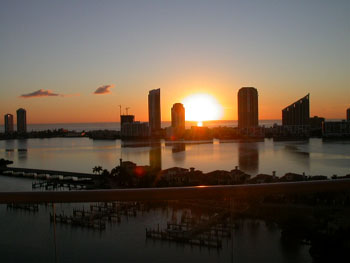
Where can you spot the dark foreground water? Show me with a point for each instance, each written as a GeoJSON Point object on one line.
{"type": "Point", "coordinates": [31, 237]}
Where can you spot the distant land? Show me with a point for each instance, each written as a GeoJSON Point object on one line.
{"type": "Point", "coordinates": [116, 125]}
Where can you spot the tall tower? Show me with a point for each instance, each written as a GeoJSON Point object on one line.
{"type": "Point", "coordinates": [248, 115]}
{"type": "Point", "coordinates": [178, 116]}
{"type": "Point", "coordinates": [178, 120]}
{"type": "Point", "coordinates": [8, 120]}
{"type": "Point", "coordinates": [21, 121]}
{"type": "Point", "coordinates": [154, 111]}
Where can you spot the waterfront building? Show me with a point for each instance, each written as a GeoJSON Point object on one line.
{"type": "Point", "coordinates": [298, 113]}
{"type": "Point", "coordinates": [248, 112]}
{"type": "Point", "coordinates": [296, 118]}
{"type": "Point", "coordinates": [8, 120]}
{"type": "Point", "coordinates": [336, 129]}
{"type": "Point", "coordinates": [21, 121]}
{"type": "Point", "coordinates": [177, 120]}
{"type": "Point", "coordinates": [316, 125]}
{"type": "Point", "coordinates": [126, 119]}
{"type": "Point", "coordinates": [154, 112]}
{"type": "Point", "coordinates": [348, 114]}
{"type": "Point", "coordinates": [135, 129]}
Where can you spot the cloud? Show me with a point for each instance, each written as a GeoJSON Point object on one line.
{"type": "Point", "coordinates": [40, 93]}
{"type": "Point", "coordinates": [104, 89]}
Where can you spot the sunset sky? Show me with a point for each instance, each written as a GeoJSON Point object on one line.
{"type": "Point", "coordinates": [76, 61]}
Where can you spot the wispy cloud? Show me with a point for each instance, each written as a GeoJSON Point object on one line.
{"type": "Point", "coordinates": [40, 93]}
{"type": "Point", "coordinates": [104, 89]}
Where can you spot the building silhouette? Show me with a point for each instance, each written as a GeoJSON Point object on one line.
{"type": "Point", "coordinates": [296, 119]}
{"type": "Point", "coordinates": [21, 121]}
{"type": "Point", "coordinates": [177, 120]}
{"type": "Point", "coordinates": [248, 112]}
{"type": "Point", "coordinates": [348, 114]}
{"type": "Point", "coordinates": [298, 113]}
{"type": "Point", "coordinates": [154, 112]}
{"type": "Point", "coordinates": [8, 120]}
{"type": "Point", "coordinates": [134, 129]}
{"type": "Point", "coordinates": [126, 119]}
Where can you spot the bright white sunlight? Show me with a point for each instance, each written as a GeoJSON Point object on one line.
{"type": "Point", "coordinates": [202, 107]}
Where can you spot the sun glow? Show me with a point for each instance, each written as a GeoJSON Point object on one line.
{"type": "Point", "coordinates": [202, 107]}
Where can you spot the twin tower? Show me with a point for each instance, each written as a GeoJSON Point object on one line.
{"type": "Point", "coordinates": [248, 112]}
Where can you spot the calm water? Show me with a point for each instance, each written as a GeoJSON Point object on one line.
{"type": "Point", "coordinates": [314, 157]}
{"type": "Point", "coordinates": [33, 234]}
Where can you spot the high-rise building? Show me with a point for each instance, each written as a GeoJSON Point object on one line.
{"type": "Point", "coordinates": [248, 112]}
{"type": "Point", "coordinates": [8, 123]}
{"type": "Point", "coordinates": [177, 120]}
{"type": "Point", "coordinates": [154, 112]}
{"type": "Point", "coordinates": [298, 113]}
{"type": "Point", "coordinates": [178, 116]}
{"type": "Point", "coordinates": [21, 121]}
{"type": "Point", "coordinates": [348, 114]}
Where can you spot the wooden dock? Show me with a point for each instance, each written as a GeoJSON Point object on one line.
{"type": "Point", "coordinates": [196, 231]}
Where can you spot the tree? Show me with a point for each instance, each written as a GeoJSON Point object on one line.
{"type": "Point", "coordinates": [97, 169]}
{"type": "Point", "coordinates": [4, 163]}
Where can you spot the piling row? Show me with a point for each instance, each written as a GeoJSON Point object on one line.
{"type": "Point", "coordinates": [26, 207]}
{"type": "Point", "coordinates": [98, 214]}
{"type": "Point", "coordinates": [55, 185]}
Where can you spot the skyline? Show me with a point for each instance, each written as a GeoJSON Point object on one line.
{"type": "Point", "coordinates": [66, 52]}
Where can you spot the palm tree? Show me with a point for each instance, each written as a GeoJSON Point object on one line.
{"type": "Point", "coordinates": [97, 169]}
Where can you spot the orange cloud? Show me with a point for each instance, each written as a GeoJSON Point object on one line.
{"type": "Point", "coordinates": [104, 89]}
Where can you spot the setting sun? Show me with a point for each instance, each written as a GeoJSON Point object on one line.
{"type": "Point", "coordinates": [202, 107]}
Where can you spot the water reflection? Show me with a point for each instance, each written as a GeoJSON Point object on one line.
{"type": "Point", "coordinates": [302, 158]}
{"type": "Point", "coordinates": [248, 157]}
{"type": "Point", "coordinates": [155, 156]}
{"type": "Point", "coordinates": [22, 148]}
{"type": "Point", "coordinates": [9, 149]}
{"type": "Point", "coordinates": [178, 147]}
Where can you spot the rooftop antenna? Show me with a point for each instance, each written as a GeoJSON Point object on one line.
{"type": "Point", "coordinates": [126, 109]}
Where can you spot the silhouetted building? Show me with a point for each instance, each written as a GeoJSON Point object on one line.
{"type": "Point", "coordinates": [336, 129]}
{"type": "Point", "coordinates": [296, 119]}
{"type": "Point", "coordinates": [316, 122]}
{"type": "Point", "coordinates": [348, 114]}
{"type": "Point", "coordinates": [126, 119]}
{"type": "Point", "coordinates": [154, 112]}
{"type": "Point", "coordinates": [178, 116]}
{"type": "Point", "coordinates": [8, 120]}
{"type": "Point", "coordinates": [177, 121]}
{"type": "Point", "coordinates": [297, 113]}
{"type": "Point", "coordinates": [316, 125]}
{"type": "Point", "coordinates": [21, 121]}
{"type": "Point", "coordinates": [248, 113]}
{"type": "Point", "coordinates": [134, 129]}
